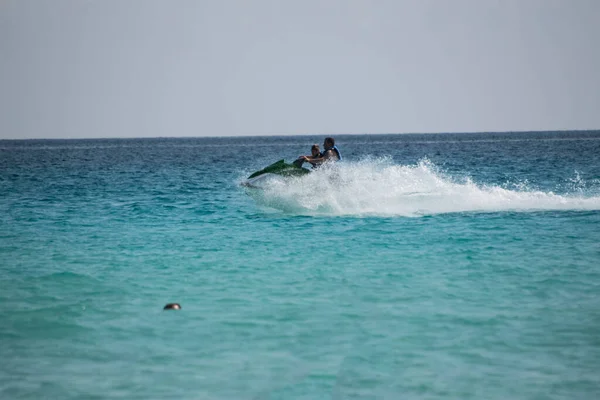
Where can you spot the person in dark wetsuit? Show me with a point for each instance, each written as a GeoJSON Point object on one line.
{"type": "Point", "coordinates": [315, 153]}
{"type": "Point", "coordinates": [331, 153]}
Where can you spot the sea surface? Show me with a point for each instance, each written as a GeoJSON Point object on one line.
{"type": "Point", "coordinates": [441, 266]}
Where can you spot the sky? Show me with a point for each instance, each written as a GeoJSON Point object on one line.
{"type": "Point", "coordinates": [148, 68]}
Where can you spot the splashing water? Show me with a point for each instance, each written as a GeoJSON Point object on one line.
{"type": "Point", "coordinates": [378, 187]}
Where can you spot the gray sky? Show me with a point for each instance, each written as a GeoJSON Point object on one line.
{"type": "Point", "coordinates": [139, 68]}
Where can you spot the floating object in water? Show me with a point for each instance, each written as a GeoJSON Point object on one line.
{"type": "Point", "coordinates": [172, 306]}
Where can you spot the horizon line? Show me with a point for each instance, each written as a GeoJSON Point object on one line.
{"type": "Point", "coordinates": [300, 135]}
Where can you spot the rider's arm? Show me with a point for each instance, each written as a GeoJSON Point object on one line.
{"type": "Point", "coordinates": [320, 160]}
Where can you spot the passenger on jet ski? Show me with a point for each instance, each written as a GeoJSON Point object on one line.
{"type": "Point", "coordinates": [315, 153]}
{"type": "Point", "coordinates": [331, 153]}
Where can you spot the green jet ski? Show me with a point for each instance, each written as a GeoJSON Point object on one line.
{"type": "Point", "coordinates": [278, 169]}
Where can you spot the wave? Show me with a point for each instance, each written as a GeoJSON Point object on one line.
{"type": "Point", "coordinates": [376, 187]}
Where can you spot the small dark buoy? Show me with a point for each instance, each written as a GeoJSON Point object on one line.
{"type": "Point", "coordinates": [172, 306]}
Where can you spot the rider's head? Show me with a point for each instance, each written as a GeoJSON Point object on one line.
{"type": "Point", "coordinates": [328, 143]}
{"type": "Point", "coordinates": [315, 151]}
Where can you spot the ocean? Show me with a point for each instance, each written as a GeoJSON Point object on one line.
{"type": "Point", "coordinates": [438, 266]}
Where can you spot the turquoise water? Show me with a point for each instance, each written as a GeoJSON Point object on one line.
{"type": "Point", "coordinates": [463, 266]}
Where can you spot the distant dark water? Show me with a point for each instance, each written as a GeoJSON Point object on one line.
{"type": "Point", "coordinates": [424, 266]}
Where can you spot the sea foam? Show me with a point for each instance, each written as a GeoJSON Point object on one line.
{"type": "Point", "coordinates": [378, 187]}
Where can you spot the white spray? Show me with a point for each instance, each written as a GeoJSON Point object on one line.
{"type": "Point", "coordinates": [377, 187]}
